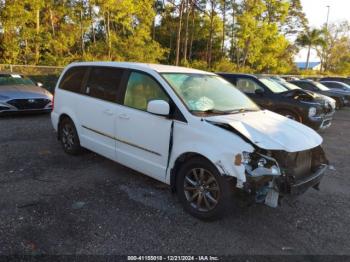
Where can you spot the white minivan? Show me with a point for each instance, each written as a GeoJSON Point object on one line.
{"type": "Point", "coordinates": [187, 128]}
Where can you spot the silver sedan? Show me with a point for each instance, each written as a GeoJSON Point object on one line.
{"type": "Point", "coordinates": [21, 94]}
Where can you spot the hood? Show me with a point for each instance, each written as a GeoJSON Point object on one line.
{"type": "Point", "coordinates": [270, 131]}
{"type": "Point", "coordinates": [301, 95]}
{"type": "Point", "coordinates": [24, 91]}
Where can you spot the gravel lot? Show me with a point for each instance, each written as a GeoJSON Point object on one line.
{"type": "Point", "coordinates": [52, 203]}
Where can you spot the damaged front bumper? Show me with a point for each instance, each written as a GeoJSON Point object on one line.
{"type": "Point", "coordinates": [287, 174]}
{"type": "Point", "coordinates": [300, 186]}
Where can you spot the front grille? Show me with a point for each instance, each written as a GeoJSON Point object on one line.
{"type": "Point", "coordinates": [296, 165]}
{"type": "Point", "coordinates": [22, 104]}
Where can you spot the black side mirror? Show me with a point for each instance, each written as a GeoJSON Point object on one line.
{"type": "Point", "coordinates": [259, 92]}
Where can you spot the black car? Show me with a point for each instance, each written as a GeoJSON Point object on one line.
{"type": "Point", "coordinates": [341, 97]}
{"type": "Point", "coordinates": [336, 85]}
{"type": "Point", "coordinates": [294, 104]}
{"type": "Point", "coordinates": [337, 79]}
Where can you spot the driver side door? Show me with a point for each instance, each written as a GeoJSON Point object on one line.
{"type": "Point", "coordinates": [142, 138]}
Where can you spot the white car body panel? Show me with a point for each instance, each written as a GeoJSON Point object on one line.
{"type": "Point", "coordinates": [129, 130]}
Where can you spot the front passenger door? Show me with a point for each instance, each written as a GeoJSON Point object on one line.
{"type": "Point", "coordinates": [143, 138]}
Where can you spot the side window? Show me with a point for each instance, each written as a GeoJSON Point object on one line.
{"type": "Point", "coordinates": [308, 86]}
{"type": "Point", "coordinates": [104, 83]}
{"type": "Point", "coordinates": [247, 85]}
{"type": "Point", "coordinates": [72, 79]}
{"type": "Point", "coordinates": [141, 89]}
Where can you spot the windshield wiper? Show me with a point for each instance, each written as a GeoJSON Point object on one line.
{"type": "Point", "coordinates": [241, 110]}
{"type": "Point", "coordinates": [210, 111]}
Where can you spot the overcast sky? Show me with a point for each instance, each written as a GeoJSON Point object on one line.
{"type": "Point", "coordinates": [316, 12]}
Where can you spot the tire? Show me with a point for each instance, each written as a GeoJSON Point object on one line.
{"type": "Point", "coordinates": [208, 192]}
{"type": "Point", "coordinates": [290, 115]}
{"type": "Point", "coordinates": [338, 104]}
{"type": "Point", "coordinates": [69, 137]}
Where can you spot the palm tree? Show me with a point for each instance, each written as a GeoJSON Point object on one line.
{"type": "Point", "coordinates": [311, 39]}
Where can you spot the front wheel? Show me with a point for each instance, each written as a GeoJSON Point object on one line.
{"type": "Point", "coordinates": [202, 190]}
{"type": "Point", "coordinates": [290, 115]}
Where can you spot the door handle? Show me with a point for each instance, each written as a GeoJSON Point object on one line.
{"type": "Point", "coordinates": [124, 116]}
{"type": "Point", "coordinates": [108, 112]}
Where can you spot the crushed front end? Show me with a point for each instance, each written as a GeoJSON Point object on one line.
{"type": "Point", "coordinates": [272, 174]}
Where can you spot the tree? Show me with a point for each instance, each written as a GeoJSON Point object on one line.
{"type": "Point", "coordinates": [311, 39]}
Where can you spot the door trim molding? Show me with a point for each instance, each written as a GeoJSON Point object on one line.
{"type": "Point", "coordinates": [122, 141]}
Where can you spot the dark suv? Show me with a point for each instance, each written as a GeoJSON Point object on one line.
{"type": "Point", "coordinates": [341, 97]}
{"type": "Point", "coordinates": [294, 104]}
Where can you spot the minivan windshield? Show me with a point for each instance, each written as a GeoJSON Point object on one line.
{"type": "Point", "coordinates": [210, 94]}
{"type": "Point", "coordinates": [273, 86]}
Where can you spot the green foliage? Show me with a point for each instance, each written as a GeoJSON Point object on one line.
{"type": "Point", "coordinates": [61, 31]}
{"type": "Point", "coordinates": [216, 35]}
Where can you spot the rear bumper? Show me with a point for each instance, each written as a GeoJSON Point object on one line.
{"type": "Point", "coordinates": [300, 186]}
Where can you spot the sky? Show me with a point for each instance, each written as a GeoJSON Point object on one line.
{"type": "Point", "coordinates": [316, 12]}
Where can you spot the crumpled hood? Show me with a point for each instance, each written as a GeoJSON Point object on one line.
{"type": "Point", "coordinates": [24, 91]}
{"type": "Point", "coordinates": [271, 131]}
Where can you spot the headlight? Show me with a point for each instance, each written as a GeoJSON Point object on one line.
{"type": "Point", "coordinates": [258, 165]}
{"type": "Point", "coordinates": [312, 111]}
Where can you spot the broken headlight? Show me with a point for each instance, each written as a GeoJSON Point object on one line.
{"type": "Point", "coordinates": [258, 165]}
{"type": "Point", "coordinates": [312, 111]}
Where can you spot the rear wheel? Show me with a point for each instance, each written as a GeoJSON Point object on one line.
{"type": "Point", "coordinates": [202, 190]}
{"type": "Point", "coordinates": [69, 137]}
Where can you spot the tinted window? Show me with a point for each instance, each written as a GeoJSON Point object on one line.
{"type": "Point", "coordinates": [247, 86]}
{"type": "Point", "coordinates": [141, 89]}
{"type": "Point", "coordinates": [73, 79]}
{"type": "Point", "coordinates": [104, 83]}
{"type": "Point", "coordinates": [305, 85]}
{"type": "Point", "coordinates": [332, 85]}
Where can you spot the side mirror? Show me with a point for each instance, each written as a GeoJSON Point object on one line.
{"type": "Point", "coordinates": [158, 107]}
{"type": "Point", "coordinates": [259, 91]}
{"type": "Point", "coordinates": [39, 84]}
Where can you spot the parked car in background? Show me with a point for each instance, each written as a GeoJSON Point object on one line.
{"type": "Point", "coordinates": [337, 79]}
{"type": "Point", "coordinates": [20, 94]}
{"type": "Point", "coordinates": [336, 85]}
{"type": "Point", "coordinates": [294, 104]}
{"type": "Point", "coordinates": [325, 100]}
{"type": "Point", "coordinates": [188, 128]}
{"type": "Point", "coordinates": [342, 98]}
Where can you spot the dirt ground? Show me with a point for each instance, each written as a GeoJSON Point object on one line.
{"type": "Point", "coordinates": [52, 203]}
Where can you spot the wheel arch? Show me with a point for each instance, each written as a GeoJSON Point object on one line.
{"type": "Point", "coordinates": [291, 110]}
{"type": "Point", "coordinates": [179, 162]}
{"type": "Point", "coordinates": [60, 119]}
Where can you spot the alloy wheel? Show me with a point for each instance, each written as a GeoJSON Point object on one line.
{"type": "Point", "coordinates": [68, 136]}
{"type": "Point", "coordinates": [201, 189]}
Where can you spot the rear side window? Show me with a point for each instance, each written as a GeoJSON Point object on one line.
{"type": "Point", "coordinates": [73, 79]}
{"type": "Point", "coordinates": [104, 83]}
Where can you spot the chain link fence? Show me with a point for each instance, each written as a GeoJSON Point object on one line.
{"type": "Point", "coordinates": [47, 75]}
